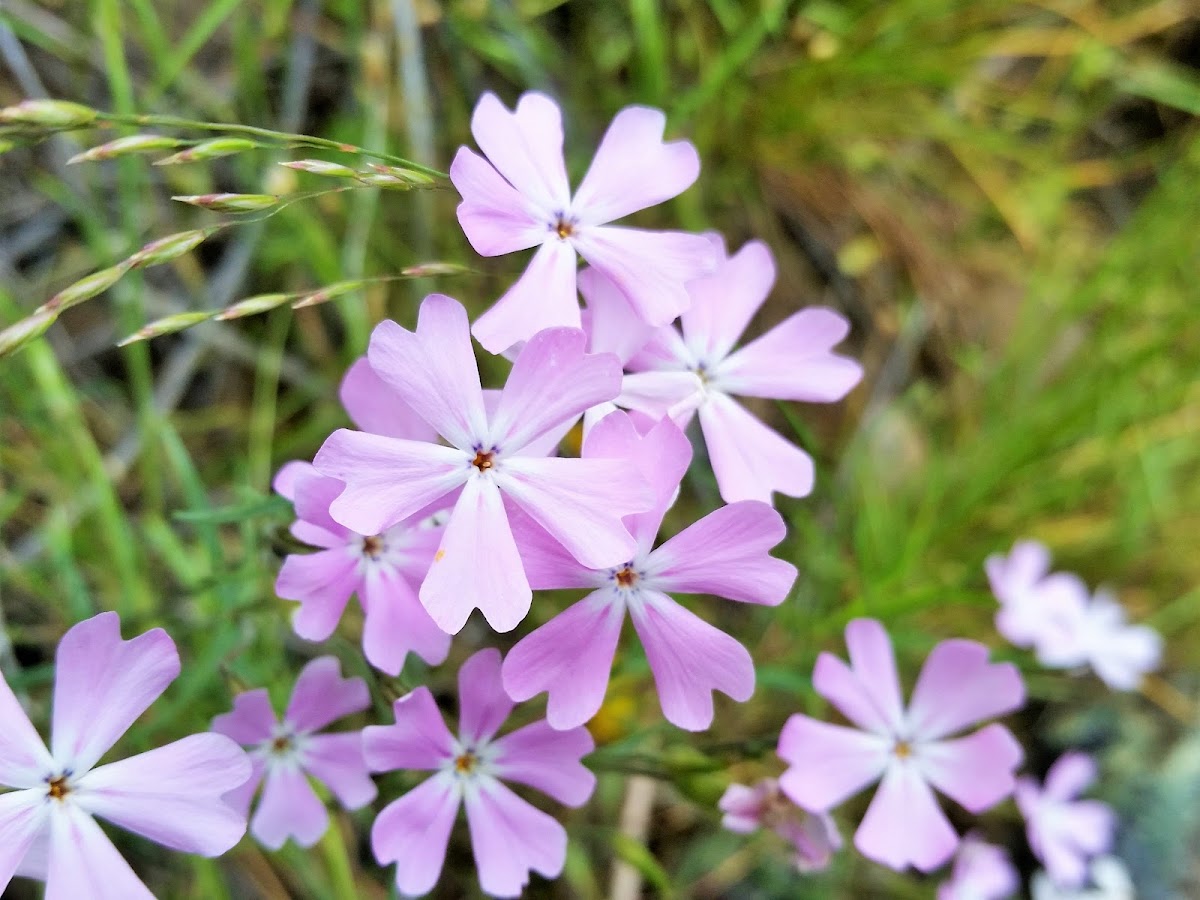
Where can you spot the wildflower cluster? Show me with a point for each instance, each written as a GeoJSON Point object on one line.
{"type": "Point", "coordinates": [448, 497]}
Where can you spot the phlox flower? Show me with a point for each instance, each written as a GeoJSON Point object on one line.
{"type": "Point", "coordinates": [1108, 877]}
{"type": "Point", "coordinates": [489, 466]}
{"type": "Point", "coordinates": [911, 748]}
{"type": "Point", "coordinates": [382, 569]}
{"type": "Point", "coordinates": [814, 837]}
{"type": "Point", "coordinates": [1119, 653]}
{"type": "Point", "coordinates": [1064, 832]}
{"type": "Point", "coordinates": [724, 554]}
{"type": "Point", "coordinates": [509, 836]}
{"type": "Point", "coordinates": [286, 753]}
{"type": "Point", "coordinates": [792, 361]}
{"type": "Point", "coordinates": [171, 795]}
{"type": "Point", "coordinates": [981, 871]}
{"type": "Point", "coordinates": [519, 198]}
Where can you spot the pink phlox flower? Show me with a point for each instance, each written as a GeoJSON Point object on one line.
{"type": "Point", "coordinates": [792, 361]}
{"type": "Point", "coordinates": [911, 749]}
{"type": "Point", "coordinates": [1064, 832]}
{"type": "Point", "coordinates": [286, 753]}
{"type": "Point", "coordinates": [1119, 653]}
{"type": "Point", "coordinates": [982, 871]}
{"type": "Point", "coordinates": [519, 198]}
{"type": "Point", "coordinates": [724, 554]}
{"type": "Point", "coordinates": [171, 795]}
{"type": "Point", "coordinates": [814, 837]}
{"type": "Point", "coordinates": [509, 836]}
{"type": "Point", "coordinates": [1108, 880]}
{"type": "Point", "coordinates": [489, 466]}
{"type": "Point", "coordinates": [382, 569]}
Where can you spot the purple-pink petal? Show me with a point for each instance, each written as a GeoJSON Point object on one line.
{"type": "Point", "coordinates": [337, 761]}
{"type": "Point", "coordinates": [312, 494]}
{"type": "Point", "coordinates": [510, 838]}
{"type": "Point", "coordinates": [482, 703]}
{"type": "Point", "coordinates": [323, 583]}
{"type": "Point", "coordinates": [548, 564]}
{"type": "Point", "coordinates": [251, 721]}
{"type": "Point", "coordinates": [419, 738]}
{"type": "Point", "coordinates": [543, 297]}
{"type": "Point", "coordinates": [611, 324]}
{"type": "Point", "coordinates": [981, 872]}
{"type": "Point", "coordinates": [240, 798]}
{"type": "Point", "coordinates": [173, 794]}
{"type": "Point", "coordinates": [525, 146]}
{"type": "Point", "coordinates": [396, 623]}
{"type": "Point", "coordinates": [571, 657]}
{"type": "Point", "coordinates": [547, 759]}
{"type": "Point", "coordinates": [103, 684]}
{"type": "Point", "coordinates": [750, 459]}
{"type": "Point", "coordinates": [413, 831]}
{"type": "Point", "coordinates": [690, 659]}
{"type": "Point", "coordinates": [24, 760]}
{"type": "Point", "coordinates": [22, 823]}
{"type": "Point", "coordinates": [958, 687]}
{"type": "Point", "coordinates": [795, 361]}
{"type": "Point", "coordinates": [374, 406]}
{"type": "Point", "coordinates": [494, 216]}
{"type": "Point", "coordinates": [976, 771]}
{"type": "Point", "coordinates": [725, 300]}
{"type": "Point", "coordinates": [322, 695]}
{"type": "Point", "coordinates": [904, 826]}
{"type": "Point", "coordinates": [726, 554]}
{"type": "Point", "coordinates": [84, 863]}
{"type": "Point", "coordinates": [1071, 775]}
{"type": "Point", "coordinates": [828, 763]}
{"type": "Point", "coordinates": [288, 808]}
{"type": "Point", "coordinates": [633, 168]}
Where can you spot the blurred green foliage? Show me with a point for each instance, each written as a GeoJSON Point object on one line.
{"type": "Point", "coordinates": [1002, 196]}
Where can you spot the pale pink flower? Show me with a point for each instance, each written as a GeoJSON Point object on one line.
{"type": "Point", "coordinates": [1119, 653]}
{"type": "Point", "coordinates": [509, 836]}
{"type": "Point", "coordinates": [792, 361]}
{"type": "Point", "coordinates": [814, 837]}
{"type": "Point", "coordinates": [286, 753]}
{"type": "Point", "coordinates": [489, 466]}
{"type": "Point", "coordinates": [171, 795]}
{"type": "Point", "coordinates": [1064, 832]}
{"type": "Point", "coordinates": [911, 748]}
{"type": "Point", "coordinates": [724, 554]}
{"type": "Point", "coordinates": [519, 198]}
{"type": "Point", "coordinates": [981, 871]}
{"type": "Point", "coordinates": [1108, 879]}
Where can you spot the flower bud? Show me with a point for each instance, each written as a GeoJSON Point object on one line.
{"type": "Point", "coordinates": [85, 288]}
{"type": "Point", "coordinates": [29, 329]}
{"type": "Point", "coordinates": [166, 325]}
{"type": "Point", "coordinates": [321, 167]}
{"type": "Point", "coordinates": [51, 113]}
{"type": "Point", "coordinates": [170, 247]}
{"type": "Point", "coordinates": [232, 203]}
{"type": "Point", "coordinates": [213, 149]}
{"type": "Point", "coordinates": [253, 305]}
{"type": "Point", "coordinates": [126, 146]}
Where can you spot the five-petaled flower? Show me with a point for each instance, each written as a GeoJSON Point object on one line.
{"type": "Point", "coordinates": [509, 836]}
{"type": "Point", "coordinates": [171, 795]}
{"type": "Point", "coordinates": [519, 197]}
{"type": "Point", "coordinates": [911, 749]}
{"type": "Point", "coordinates": [285, 753]}
{"type": "Point", "coordinates": [724, 554]}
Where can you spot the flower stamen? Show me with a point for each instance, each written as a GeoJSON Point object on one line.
{"type": "Point", "coordinates": [483, 460]}
{"type": "Point", "coordinates": [58, 788]}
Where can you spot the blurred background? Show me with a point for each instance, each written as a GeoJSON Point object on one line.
{"type": "Point", "coordinates": [1002, 197]}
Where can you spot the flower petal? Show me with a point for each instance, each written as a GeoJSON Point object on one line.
{"type": "Point", "coordinates": [828, 763]}
{"type": "Point", "coordinates": [482, 704]}
{"type": "Point", "coordinates": [493, 214]}
{"type": "Point", "coordinates": [239, 798]}
{"type": "Point", "coordinates": [525, 146]}
{"type": "Point", "coordinates": [867, 692]}
{"type": "Point", "coordinates": [690, 659]}
{"type": "Point", "coordinates": [387, 479]}
{"type": "Point", "coordinates": [24, 760]}
{"type": "Point", "coordinates": [413, 831]}
{"type": "Point", "coordinates": [477, 564]}
{"type": "Point", "coordinates": [552, 381]}
{"type": "Point", "coordinates": [548, 759]}
{"type": "Point", "coordinates": [975, 771]}
{"type": "Point", "coordinates": [103, 684]}
{"type": "Point", "coordinates": [543, 297]}
{"type": "Point", "coordinates": [22, 823]}
{"type": "Point", "coordinates": [323, 582]}
{"type": "Point", "coordinates": [611, 324]}
{"type": "Point", "coordinates": [374, 406]}
{"type": "Point", "coordinates": [322, 695]}
{"type": "Point", "coordinates": [251, 721]}
{"type": "Point", "coordinates": [288, 808]}
{"type": "Point", "coordinates": [958, 687]}
{"type": "Point", "coordinates": [794, 361]}
{"type": "Point", "coordinates": [510, 837]}
{"type": "Point", "coordinates": [580, 502]}
{"type": "Point", "coordinates": [1013, 575]}
{"type": "Point", "coordinates": [726, 554]}
{"type": "Point", "coordinates": [726, 299]}
{"type": "Point", "coordinates": [433, 369]}
{"type": "Point", "coordinates": [650, 268]}
{"type": "Point", "coordinates": [749, 459]}
{"type": "Point", "coordinates": [548, 564]}
{"type": "Point", "coordinates": [570, 657]}
{"type": "Point", "coordinates": [396, 623]}
{"type": "Point", "coordinates": [633, 168]}
{"type": "Point", "coordinates": [312, 494]}
{"type": "Point", "coordinates": [1071, 775]}
{"type": "Point", "coordinates": [419, 738]}
{"type": "Point", "coordinates": [173, 794]}
{"type": "Point", "coordinates": [659, 394]}
{"type": "Point", "coordinates": [337, 761]}
{"type": "Point", "coordinates": [84, 862]}
{"type": "Point", "coordinates": [904, 825]}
